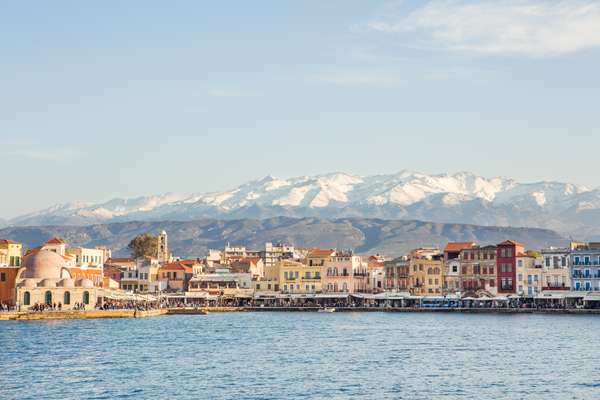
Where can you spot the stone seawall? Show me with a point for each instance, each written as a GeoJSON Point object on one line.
{"type": "Point", "coordinates": [55, 315]}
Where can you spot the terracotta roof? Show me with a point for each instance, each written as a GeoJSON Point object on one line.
{"type": "Point", "coordinates": [321, 252]}
{"type": "Point", "coordinates": [176, 266]}
{"type": "Point", "coordinates": [458, 246]}
{"type": "Point", "coordinates": [7, 241]}
{"type": "Point", "coordinates": [55, 241]}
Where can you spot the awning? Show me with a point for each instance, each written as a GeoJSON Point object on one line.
{"type": "Point", "coordinates": [332, 296]}
{"type": "Point", "coordinates": [550, 296]}
{"type": "Point", "coordinates": [592, 297]}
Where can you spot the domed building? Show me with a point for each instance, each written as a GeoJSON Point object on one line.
{"type": "Point", "coordinates": [45, 279]}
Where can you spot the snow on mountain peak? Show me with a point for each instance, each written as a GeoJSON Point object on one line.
{"type": "Point", "coordinates": [429, 193]}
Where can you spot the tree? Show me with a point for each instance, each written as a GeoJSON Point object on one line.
{"type": "Point", "coordinates": [144, 245]}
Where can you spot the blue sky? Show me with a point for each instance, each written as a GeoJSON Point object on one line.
{"type": "Point", "coordinates": [107, 99]}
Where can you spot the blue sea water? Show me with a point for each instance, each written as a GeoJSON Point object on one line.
{"type": "Point", "coordinates": [303, 356]}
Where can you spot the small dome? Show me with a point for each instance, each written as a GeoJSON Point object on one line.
{"type": "Point", "coordinates": [47, 283]}
{"type": "Point", "coordinates": [84, 283]}
{"type": "Point", "coordinates": [44, 265]}
{"type": "Point", "coordinates": [28, 283]}
{"type": "Point", "coordinates": [67, 283]}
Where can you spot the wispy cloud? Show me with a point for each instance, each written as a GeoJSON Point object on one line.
{"type": "Point", "coordinates": [49, 154]}
{"type": "Point", "coordinates": [501, 27]}
{"type": "Point", "coordinates": [361, 78]}
{"type": "Point", "coordinates": [228, 92]}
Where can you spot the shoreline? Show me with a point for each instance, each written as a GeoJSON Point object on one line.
{"type": "Point", "coordinates": [100, 314]}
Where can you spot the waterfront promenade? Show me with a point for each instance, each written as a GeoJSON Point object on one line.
{"type": "Point", "coordinates": [126, 313]}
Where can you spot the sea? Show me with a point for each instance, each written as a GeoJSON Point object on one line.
{"type": "Point", "coordinates": [304, 355]}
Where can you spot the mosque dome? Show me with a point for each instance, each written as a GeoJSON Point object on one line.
{"type": "Point", "coordinates": [45, 265]}
{"type": "Point", "coordinates": [85, 283]}
{"type": "Point", "coordinates": [47, 283]}
{"type": "Point", "coordinates": [28, 283]}
{"type": "Point", "coordinates": [66, 283]}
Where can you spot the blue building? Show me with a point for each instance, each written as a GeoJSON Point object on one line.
{"type": "Point", "coordinates": [585, 267]}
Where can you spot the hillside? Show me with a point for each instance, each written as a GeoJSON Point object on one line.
{"type": "Point", "coordinates": [463, 198]}
{"type": "Point", "coordinates": [194, 238]}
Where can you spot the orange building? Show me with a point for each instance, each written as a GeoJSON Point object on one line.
{"type": "Point", "coordinates": [11, 254]}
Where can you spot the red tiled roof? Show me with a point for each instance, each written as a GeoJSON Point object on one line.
{"type": "Point", "coordinates": [458, 246]}
{"type": "Point", "coordinates": [55, 241]}
{"type": "Point", "coordinates": [321, 252]}
{"type": "Point", "coordinates": [7, 241]}
{"type": "Point", "coordinates": [176, 266]}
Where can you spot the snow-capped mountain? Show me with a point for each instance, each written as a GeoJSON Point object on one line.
{"type": "Point", "coordinates": [461, 198]}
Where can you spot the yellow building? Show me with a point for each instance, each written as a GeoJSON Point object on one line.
{"type": "Point", "coordinates": [10, 253]}
{"type": "Point", "coordinates": [10, 262]}
{"type": "Point", "coordinates": [426, 272]}
{"type": "Point", "coordinates": [296, 277]}
{"type": "Point", "coordinates": [529, 275]}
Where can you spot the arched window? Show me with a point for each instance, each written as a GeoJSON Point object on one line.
{"type": "Point", "coordinates": [344, 287]}
{"type": "Point", "coordinates": [335, 271]}
{"type": "Point", "coordinates": [86, 297]}
{"type": "Point", "coordinates": [48, 297]}
{"type": "Point", "coordinates": [430, 271]}
{"type": "Point", "coordinates": [436, 271]}
{"type": "Point", "coordinates": [26, 298]}
{"type": "Point", "coordinates": [67, 298]}
{"type": "Point", "coordinates": [345, 272]}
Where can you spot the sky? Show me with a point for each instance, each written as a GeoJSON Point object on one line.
{"type": "Point", "coordinates": [119, 99]}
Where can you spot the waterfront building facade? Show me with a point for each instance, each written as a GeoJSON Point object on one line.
{"type": "Point", "coordinates": [175, 276]}
{"type": "Point", "coordinates": [426, 271]}
{"type": "Point", "coordinates": [506, 266]}
{"type": "Point", "coordinates": [297, 277]}
{"type": "Point", "coordinates": [585, 267]}
{"type": "Point", "coordinates": [44, 279]}
{"type": "Point", "coordinates": [344, 272]}
{"type": "Point", "coordinates": [397, 277]}
{"type": "Point", "coordinates": [529, 276]}
{"type": "Point", "coordinates": [11, 254]}
{"type": "Point", "coordinates": [452, 282]}
{"type": "Point", "coordinates": [556, 268]}
{"type": "Point", "coordinates": [478, 271]}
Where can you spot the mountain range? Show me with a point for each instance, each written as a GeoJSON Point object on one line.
{"type": "Point", "coordinates": [449, 198]}
{"type": "Point", "coordinates": [194, 238]}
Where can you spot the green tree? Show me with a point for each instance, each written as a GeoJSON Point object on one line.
{"type": "Point", "coordinates": [144, 245]}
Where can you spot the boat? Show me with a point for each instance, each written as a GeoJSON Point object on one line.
{"type": "Point", "coordinates": [327, 310]}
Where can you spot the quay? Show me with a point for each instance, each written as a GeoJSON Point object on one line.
{"type": "Point", "coordinates": [98, 314]}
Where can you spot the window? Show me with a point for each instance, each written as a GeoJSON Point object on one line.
{"type": "Point", "coordinates": [67, 298]}
{"type": "Point", "coordinates": [26, 298]}
{"type": "Point", "coordinates": [48, 297]}
{"type": "Point", "coordinates": [86, 297]}
{"type": "Point", "coordinates": [2, 277]}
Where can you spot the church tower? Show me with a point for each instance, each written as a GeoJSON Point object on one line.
{"type": "Point", "coordinates": [163, 248]}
